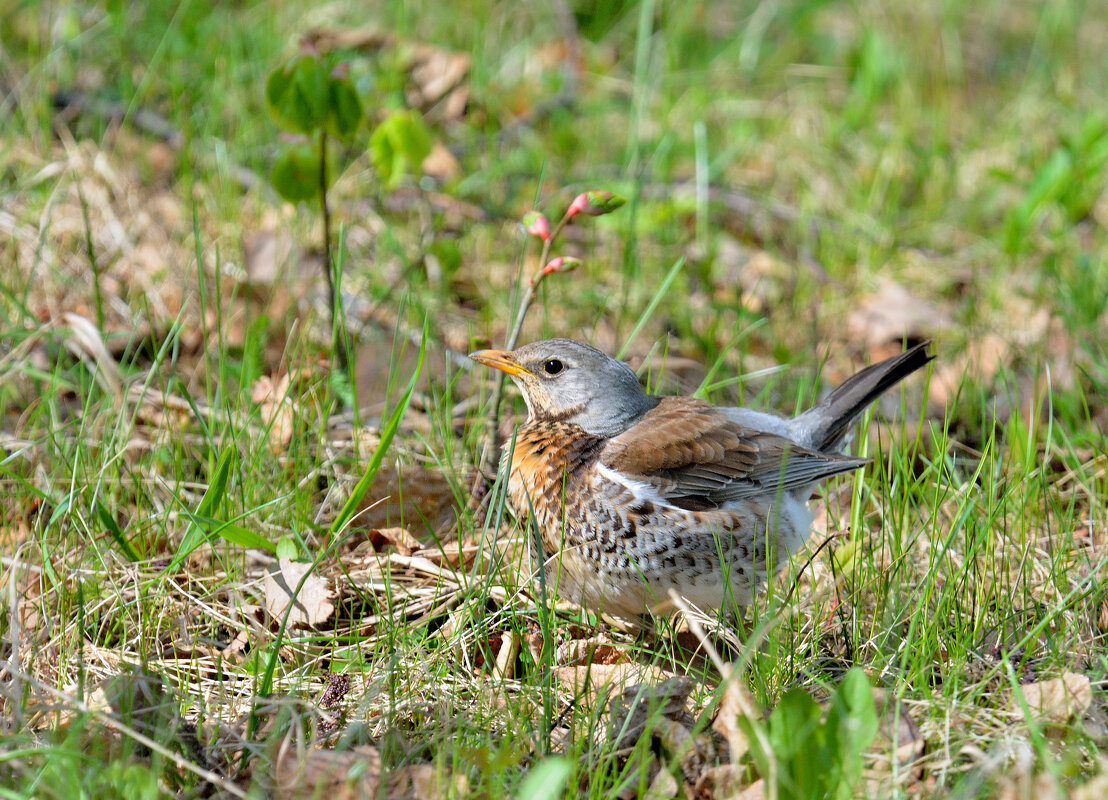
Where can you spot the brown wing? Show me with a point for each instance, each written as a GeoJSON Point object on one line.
{"type": "Point", "coordinates": [697, 458]}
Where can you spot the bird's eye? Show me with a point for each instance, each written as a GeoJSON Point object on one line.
{"type": "Point", "coordinates": [553, 366]}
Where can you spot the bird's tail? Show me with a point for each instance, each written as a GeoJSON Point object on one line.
{"type": "Point", "coordinates": [826, 424]}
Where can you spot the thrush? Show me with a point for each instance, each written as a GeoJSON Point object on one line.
{"type": "Point", "coordinates": [636, 497]}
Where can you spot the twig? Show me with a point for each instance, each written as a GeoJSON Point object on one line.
{"type": "Point", "coordinates": [338, 340]}
{"type": "Point", "coordinates": [488, 457]}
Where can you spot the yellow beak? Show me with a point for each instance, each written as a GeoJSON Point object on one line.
{"type": "Point", "coordinates": [502, 360]}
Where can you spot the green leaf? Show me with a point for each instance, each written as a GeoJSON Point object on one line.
{"type": "Point", "coordinates": [298, 94]}
{"type": "Point", "coordinates": [235, 534]}
{"type": "Point", "coordinates": [399, 145]}
{"type": "Point", "coordinates": [389, 431]}
{"type": "Point", "coordinates": [286, 548]}
{"type": "Point", "coordinates": [194, 534]}
{"type": "Point", "coordinates": [296, 173]}
{"type": "Point", "coordinates": [346, 109]}
{"type": "Point", "coordinates": [793, 723]}
{"type": "Point", "coordinates": [852, 725]}
{"type": "Point", "coordinates": [108, 521]}
{"type": "Point", "coordinates": [546, 780]}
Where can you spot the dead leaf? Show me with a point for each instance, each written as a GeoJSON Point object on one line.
{"type": "Point", "coordinates": [1057, 700]}
{"type": "Point", "coordinates": [410, 494]}
{"type": "Point", "coordinates": [440, 163]}
{"type": "Point", "coordinates": [737, 702]}
{"type": "Point", "coordinates": [506, 655]}
{"type": "Point", "coordinates": [85, 342]}
{"type": "Point", "coordinates": [263, 254]}
{"type": "Point", "coordinates": [662, 787]}
{"type": "Point", "coordinates": [425, 782]}
{"type": "Point", "coordinates": [726, 782]}
{"type": "Point", "coordinates": [276, 409]}
{"type": "Point", "coordinates": [899, 738]}
{"type": "Point", "coordinates": [400, 538]}
{"type": "Point", "coordinates": [891, 314]}
{"type": "Point", "coordinates": [313, 603]}
{"type": "Point", "coordinates": [595, 679]}
{"type": "Point", "coordinates": [630, 713]}
{"type": "Point", "coordinates": [593, 650]}
{"type": "Point", "coordinates": [337, 775]}
{"type": "Point", "coordinates": [983, 359]}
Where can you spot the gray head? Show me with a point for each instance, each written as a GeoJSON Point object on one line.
{"type": "Point", "coordinates": [563, 379]}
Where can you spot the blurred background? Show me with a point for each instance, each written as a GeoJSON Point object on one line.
{"type": "Point", "coordinates": [837, 176]}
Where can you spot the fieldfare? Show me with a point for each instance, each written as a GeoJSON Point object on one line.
{"type": "Point", "coordinates": [635, 496]}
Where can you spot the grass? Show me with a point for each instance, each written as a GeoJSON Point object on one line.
{"type": "Point", "coordinates": [798, 156]}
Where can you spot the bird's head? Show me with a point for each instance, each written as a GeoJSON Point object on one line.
{"type": "Point", "coordinates": [563, 379]}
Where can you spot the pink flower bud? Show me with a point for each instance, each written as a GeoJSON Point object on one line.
{"type": "Point", "coordinates": [536, 224]}
{"type": "Point", "coordinates": [580, 203]}
{"type": "Point", "coordinates": [561, 264]}
{"type": "Point", "coordinates": [340, 70]}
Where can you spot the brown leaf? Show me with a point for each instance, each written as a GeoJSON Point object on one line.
{"type": "Point", "coordinates": [400, 538]}
{"type": "Point", "coordinates": [737, 702]}
{"type": "Point", "coordinates": [313, 604]}
{"type": "Point", "coordinates": [337, 775]}
{"type": "Point", "coordinates": [506, 655]}
{"type": "Point", "coordinates": [409, 493]}
{"type": "Point", "coordinates": [726, 783]}
{"type": "Point", "coordinates": [593, 650]}
{"type": "Point", "coordinates": [276, 409]}
{"type": "Point", "coordinates": [1056, 700]}
{"type": "Point", "coordinates": [440, 163]}
{"type": "Point", "coordinates": [264, 252]}
{"type": "Point", "coordinates": [662, 787]}
{"type": "Point", "coordinates": [435, 72]}
{"type": "Point", "coordinates": [892, 313]}
{"type": "Point", "coordinates": [980, 363]}
{"type": "Point", "coordinates": [596, 679]}
{"type": "Point", "coordinates": [425, 782]}
{"type": "Point", "coordinates": [898, 738]}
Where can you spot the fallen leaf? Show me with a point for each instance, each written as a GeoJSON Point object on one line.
{"type": "Point", "coordinates": [663, 787]}
{"type": "Point", "coordinates": [400, 538]}
{"type": "Point", "coordinates": [593, 650]}
{"type": "Point", "coordinates": [726, 781]}
{"type": "Point", "coordinates": [891, 314]}
{"type": "Point", "coordinates": [595, 679]}
{"type": "Point", "coordinates": [440, 163]}
{"type": "Point", "coordinates": [737, 702]}
{"type": "Point", "coordinates": [313, 603]}
{"type": "Point", "coordinates": [898, 739]}
{"type": "Point", "coordinates": [276, 409]}
{"type": "Point", "coordinates": [337, 775]}
{"type": "Point", "coordinates": [980, 363]}
{"type": "Point", "coordinates": [264, 252]}
{"type": "Point", "coordinates": [506, 655]}
{"type": "Point", "coordinates": [1057, 700]}
{"type": "Point", "coordinates": [637, 705]}
{"type": "Point", "coordinates": [425, 782]}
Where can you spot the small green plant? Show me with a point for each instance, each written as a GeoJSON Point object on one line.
{"type": "Point", "coordinates": [316, 103]}
{"type": "Point", "coordinates": [812, 756]}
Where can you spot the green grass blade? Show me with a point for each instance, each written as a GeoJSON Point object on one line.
{"type": "Point", "coordinates": [387, 433]}
{"type": "Point", "coordinates": [194, 535]}
{"type": "Point", "coordinates": [652, 306]}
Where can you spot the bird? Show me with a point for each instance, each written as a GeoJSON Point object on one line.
{"type": "Point", "coordinates": [637, 498]}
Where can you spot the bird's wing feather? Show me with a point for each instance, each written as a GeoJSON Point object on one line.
{"type": "Point", "coordinates": [696, 457]}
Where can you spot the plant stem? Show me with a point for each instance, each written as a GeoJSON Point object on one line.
{"type": "Point", "coordinates": [489, 456]}
{"type": "Point", "coordinates": [338, 342]}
